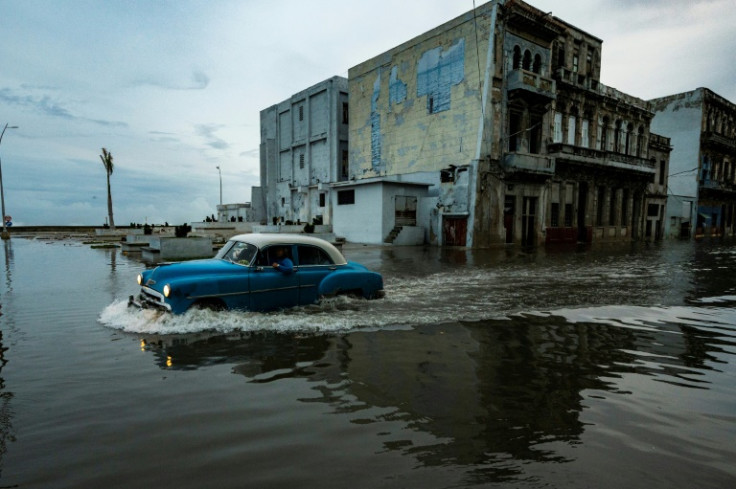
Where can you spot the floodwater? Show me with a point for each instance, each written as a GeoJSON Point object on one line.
{"type": "Point", "coordinates": [571, 368]}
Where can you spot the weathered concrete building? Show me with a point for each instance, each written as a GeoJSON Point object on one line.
{"type": "Point", "coordinates": [501, 114]}
{"type": "Point", "coordinates": [702, 179]}
{"type": "Point", "coordinates": [304, 148]}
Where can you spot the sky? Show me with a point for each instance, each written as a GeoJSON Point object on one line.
{"type": "Point", "coordinates": [174, 88]}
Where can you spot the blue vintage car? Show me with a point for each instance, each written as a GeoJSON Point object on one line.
{"type": "Point", "coordinates": [257, 272]}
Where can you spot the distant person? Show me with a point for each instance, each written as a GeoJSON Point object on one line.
{"type": "Point", "coordinates": [282, 262]}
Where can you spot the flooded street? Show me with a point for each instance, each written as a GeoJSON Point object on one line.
{"type": "Point", "coordinates": [570, 368]}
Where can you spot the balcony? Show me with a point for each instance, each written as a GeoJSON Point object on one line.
{"type": "Point", "coordinates": [601, 159]}
{"type": "Point", "coordinates": [527, 83]}
{"type": "Point", "coordinates": [528, 163]}
{"type": "Point", "coordinates": [568, 77]}
{"type": "Point", "coordinates": [713, 139]}
{"type": "Point", "coordinates": [717, 185]}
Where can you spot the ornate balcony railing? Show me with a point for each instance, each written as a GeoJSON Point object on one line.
{"type": "Point", "coordinates": [600, 158]}
{"type": "Point", "coordinates": [532, 83]}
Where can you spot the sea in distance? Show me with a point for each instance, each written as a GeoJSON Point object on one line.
{"type": "Point", "coordinates": [604, 367]}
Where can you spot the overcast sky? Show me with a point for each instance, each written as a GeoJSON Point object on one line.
{"type": "Point", "coordinates": [174, 88]}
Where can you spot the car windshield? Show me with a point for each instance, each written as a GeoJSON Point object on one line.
{"type": "Point", "coordinates": [241, 253]}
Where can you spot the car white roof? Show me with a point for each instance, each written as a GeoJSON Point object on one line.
{"type": "Point", "coordinates": [261, 240]}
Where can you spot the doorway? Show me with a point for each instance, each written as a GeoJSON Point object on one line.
{"type": "Point", "coordinates": [582, 200]}
{"type": "Point", "coordinates": [528, 221]}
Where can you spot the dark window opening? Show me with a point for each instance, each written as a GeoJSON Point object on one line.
{"type": "Point", "coordinates": [517, 57]}
{"type": "Point", "coordinates": [448, 175]}
{"type": "Point", "coordinates": [344, 164]}
{"type": "Point", "coordinates": [527, 63]}
{"type": "Point", "coordinates": [301, 112]}
{"type": "Point", "coordinates": [346, 197]}
{"type": "Point", "coordinates": [345, 116]}
{"type": "Point", "coordinates": [568, 215]}
{"type": "Point", "coordinates": [537, 67]}
{"type": "Point", "coordinates": [662, 165]}
{"type": "Point", "coordinates": [515, 131]}
{"type": "Point", "coordinates": [612, 209]}
{"type": "Point", "coordinates": [301, 160]}
{"type": "Point", "coordinates": [653, 210]}
{"type": "Point", "coordinates": [322, 200]}
{"type": "Point", "coordinates": [599, 207]}
{"type": "Point", "coordinates": [554, 218]}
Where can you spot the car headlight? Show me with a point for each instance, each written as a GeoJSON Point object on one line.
{"type": "Point", "coordinates": [140, 279]}
{"type": "Point", "coordinates": [167, 290]}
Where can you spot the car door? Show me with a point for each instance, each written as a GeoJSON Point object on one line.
{"type": "Point", "coordinates": [269, 287]}
{"type": "Point", "coordinates": [314, 266]}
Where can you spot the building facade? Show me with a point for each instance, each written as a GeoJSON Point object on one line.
{"type": "Point", "coordinates": [304, 148]}
{"type": "Point", "coordinates": [702, 179]}
{"type": "Point", "coordinates": [502, 114]}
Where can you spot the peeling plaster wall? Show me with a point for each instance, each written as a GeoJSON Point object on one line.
{"type": "Point", "coordinates": [680, 118]}
{"type": "Point", "coordinates": [392, 129]}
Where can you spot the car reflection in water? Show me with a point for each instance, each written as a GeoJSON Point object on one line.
{"type": "Point", "coordinates": [491, 392]}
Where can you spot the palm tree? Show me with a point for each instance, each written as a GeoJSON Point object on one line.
{"type": "Point", "coordinates": [106, 158]}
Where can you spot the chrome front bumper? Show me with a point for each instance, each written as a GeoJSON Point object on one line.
{"type": "Point", "coordinates": [149, 299]}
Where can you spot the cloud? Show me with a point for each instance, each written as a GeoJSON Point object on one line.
{"type": "Point", "coordinates": [207, 131]}
{"type": "Point", "coordinates": [46, 105]}
{"type": "Point", "coordinates": [198, 80]}
{"type": "Point", "coordinates": [251, 153]}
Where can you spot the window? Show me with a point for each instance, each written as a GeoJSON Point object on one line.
{"type": "Point", "coordinates": [322, 200]}
{"type": "Point", "coordinates": [344, 164]}
{"type": "Point", "coordinates": [554, 218]}
{"type": "Point", "coordinates": [653, 210]}
{"type": "Point", "coordinates": [575, 62]}
{"type": "Point", "coordinates": [301, 112]}
{"type": "Point", "coordinates": [311, 256]}
{"type": "Point", "coordinates": [537, 67]}
{"type": "Point", "coordinates": [558, 128]}
{"type": "Point", "coordinates": [585, 133]}
{"type": "Point", "coordinates": [346, 197]}
{"type": "Point", "coordinates": [283, 201]}
{"type": "Point", "coordinates": [527, 62]}
{"type": "Point", "coordinates": [604, 134]}
{"type": "Point", "coordinates": [301, 161]}
{"type": "Point", "coordinates": [612, 209]}
{"type": "Point", "coordinates": [517, 57]}
{"type": "Point", "coordinates": [345, 117]}
{"type": "Point", "coordinates": [599, 206]}
{"type": "Point", "coordinates": [571, 130]}
{"type": "Point", "coordinates": [515, 131]}
{"type": "Point", "coordinates": [662, 165]}
{"type": "Point", "coordinates": [568, 215]}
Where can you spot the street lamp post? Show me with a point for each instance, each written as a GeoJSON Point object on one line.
{"type": "Point", "coordinates": [218, 171]}
{"type": "Point", "coordinates": [5, 233]}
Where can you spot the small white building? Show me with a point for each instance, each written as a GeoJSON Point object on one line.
{"type": "Point", "coordinates": [235, 212]}
{"type": "Point", "coordinates": [381, 210]}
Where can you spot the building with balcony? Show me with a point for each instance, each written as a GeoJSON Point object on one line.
{"type": "Point", "coordinates": [501, 113]}
{"type": "Point", "coordinates": [304, 149]}
{"type": "Point", "coordinates": [702, 177]}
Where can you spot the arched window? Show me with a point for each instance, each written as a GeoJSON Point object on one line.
{"type": "Point", "coordinates": [527, 60]}
{"type": "Point", "coordinates": [517, 57]}
{"type": "Point", "coordinates": [629, 131]}
{"type": "Point", "coordinates": [640, 142]}
{"type": "Point", "coordinates": [617, 137]}
{"type": "Point", "coordinates": [604, 134]}
{"type": "Point", "coordinates": [537, 68]}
